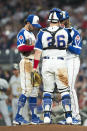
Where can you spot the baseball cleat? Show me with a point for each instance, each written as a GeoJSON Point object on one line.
{"type": "Point", "coordinates": [19, 120]}
{"type": "Point", "coordinates": [76, 121]}
{"type": "Point", "coordinates": [36, 119]}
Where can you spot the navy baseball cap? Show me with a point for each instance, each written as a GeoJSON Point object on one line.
{"type": "Point", "coordinates": [65, 15]}
{"type": "Point", "coordinates": [34, 20]}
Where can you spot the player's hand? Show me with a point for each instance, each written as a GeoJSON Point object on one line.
{"type": "Point", "coordinates": [34, 69]}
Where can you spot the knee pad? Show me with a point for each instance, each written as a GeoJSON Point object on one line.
{"type": "Point", "coordinates": [47, 101]}
{"type": "Point", "coordinates": [22, 100]}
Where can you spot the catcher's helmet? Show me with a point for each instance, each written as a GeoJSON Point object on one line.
{"type": "Point", "coordinates": [65, 15]}
{"type": "Point", "coordinates": [55, 15]}
{"type": "Point", "coordinates": [34, 20]}
{"type": "Point", "coordinates": [56, 10]}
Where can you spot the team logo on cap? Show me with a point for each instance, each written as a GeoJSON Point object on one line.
{"type": "Point", "coordinates": [77, 39]}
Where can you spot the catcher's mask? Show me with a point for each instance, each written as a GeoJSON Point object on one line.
{"type": "Point", "coordinates": [55, 15]}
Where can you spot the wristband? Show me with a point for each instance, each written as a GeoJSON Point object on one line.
{"type": "Point", "coordinates": [36, 62]}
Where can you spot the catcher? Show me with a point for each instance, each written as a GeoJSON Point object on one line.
{"type": "Point", "coordinates": [25, 45]}
{"type": "Point", "coordinates": [51, 44]}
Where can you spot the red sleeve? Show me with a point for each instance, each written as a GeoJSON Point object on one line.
{"type": "Point", "coordinates": [26, 48]}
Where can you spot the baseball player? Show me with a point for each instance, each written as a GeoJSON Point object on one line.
{"type": "Point", "coordinates": [4, 86]}
{"type": "Point", "coordinates": [73, 64]}
{"type": "Point", "coordinates": [25, 45]}
{"type": "Point", "coordinates": [52, 43]}
{"type": "Point", "coordinates": [15, 85]}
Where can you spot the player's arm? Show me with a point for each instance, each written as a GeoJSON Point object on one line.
{"type": "Point", "coordinates": [38, 50]}
{"type": "Point", "coordinates": [74, 50]}
{"type": "Point", "coordinates": [37, 58]}
{"type": "Point", "coordinates": [25, 48]}
{"type": "Point", "coordinates": [76, 45]}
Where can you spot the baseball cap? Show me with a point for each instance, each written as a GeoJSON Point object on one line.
{"type": "Point", "coordinates": [15, 67]}
{"type": "Point", "coordinates": [55, 15]}
{"type": "Point", "coordinates": [34, 20]}
{"type": "Point", "coordinates": [65, 15]}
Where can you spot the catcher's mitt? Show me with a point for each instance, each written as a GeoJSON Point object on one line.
{"type": "Point", "coordinates": [35, 79]}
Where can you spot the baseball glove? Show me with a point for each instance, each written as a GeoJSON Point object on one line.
{"type": "Point", "coordinates": [35, 79]}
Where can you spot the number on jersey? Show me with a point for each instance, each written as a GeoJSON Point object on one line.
{"type": "Point", "coordinates": [60, 41]}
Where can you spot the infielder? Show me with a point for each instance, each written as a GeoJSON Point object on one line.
{"type": "Point", "coordinates": [25, 45]}
{"type": "Point", "coordinates": [3, 106]}
{"type": "Point", "coordinates": [73, 64]}
{"type": "Point", "coordinates": [52, 43]}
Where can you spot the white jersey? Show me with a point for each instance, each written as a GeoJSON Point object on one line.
{"type": "Point", "coordinates": [3, 84]}
{"type": "Point", "coordinates": [25, 37]}
{"type": "Point", "coordinates": [15, 85]}
{"type": "Point", "coordinates": [45, 39]}
{"type": "Point", "coordinates": [74, 49]}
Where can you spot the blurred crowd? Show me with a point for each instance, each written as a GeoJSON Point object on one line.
{"type": "Point", "coordinates": [15, 11]}
{"type": "Point", "coordinates": [12, 15]}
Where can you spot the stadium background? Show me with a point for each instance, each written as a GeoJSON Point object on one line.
{"type": "Point", "coordinates": [12, 14]}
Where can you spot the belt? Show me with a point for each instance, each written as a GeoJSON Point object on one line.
{"type": "Point", "coordinates": [14, 96]}
{"type": "Point", "coordinates": [30, 59]}
{"type": "Point", "coordinates": [47, 57]}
